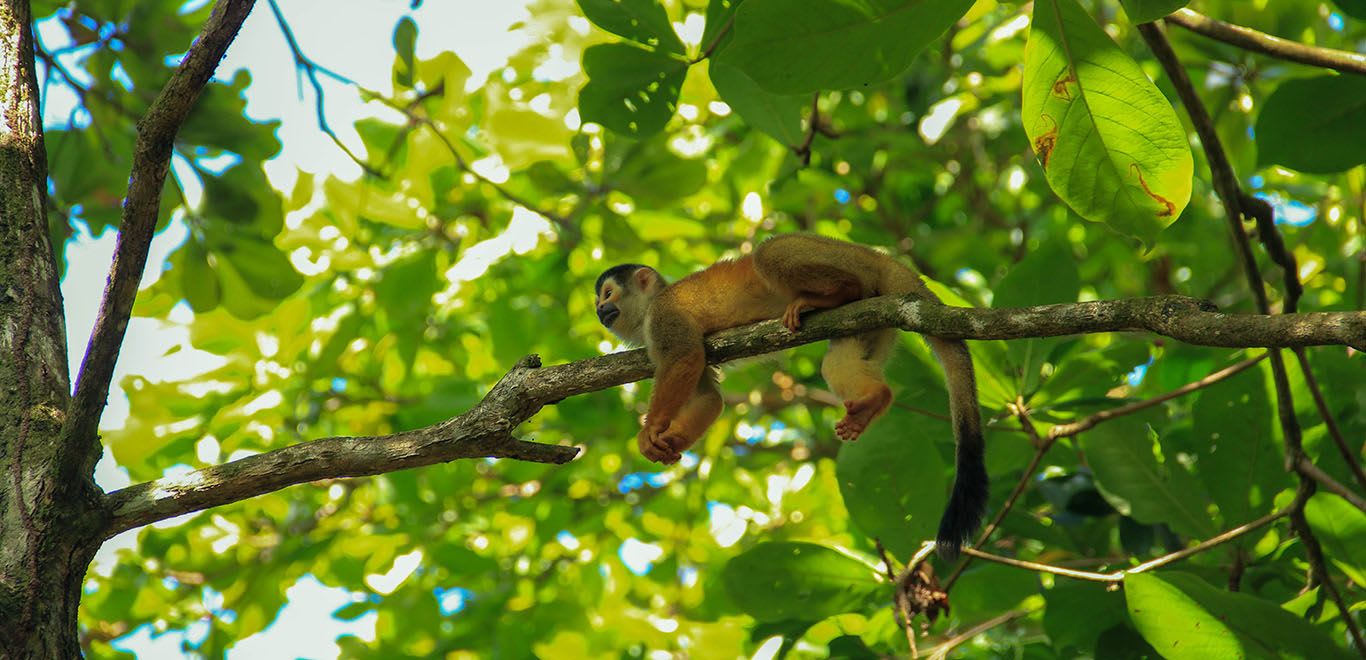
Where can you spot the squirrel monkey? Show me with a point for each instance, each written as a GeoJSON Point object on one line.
{"type": "Point", "coordinates": [785, 276]}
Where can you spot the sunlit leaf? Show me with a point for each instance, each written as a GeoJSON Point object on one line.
{"type": "Point", "coordinates": [1184, 617]}
{"type": "Point", "coordinates": [642, 21]}
{"type": "Point", "coordinates": [1143, 11]}
{"type": "Point", "coordinates": [894, 494]}
{"type": "Point", "coordinates": [1131, 477]}
{"type": "Point", "coordinates": [1110, 143]}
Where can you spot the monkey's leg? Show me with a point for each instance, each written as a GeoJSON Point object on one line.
{"type": "Point", "coordinates": [853, 369]}
{"type": "Point", "coordinates": [694, 418]}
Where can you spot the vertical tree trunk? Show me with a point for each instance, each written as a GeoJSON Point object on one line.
{"type": "Point", "coordinates": [46, 523]}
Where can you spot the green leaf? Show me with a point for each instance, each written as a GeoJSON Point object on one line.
{"type": "Point", "coordinates": [1233, 431]}
{"type": "Point", "coordinates": [1353, 8]}
{"type": "Point", "coordinates": [1046, 275]}
{"type": "Point", "coordinates": [198, 282]}
{"type": "Point", "coordinates": [801, 581]}
{"type": "Point", "coordinates": [1315, 125]}
{"type": "Point", "coordinates": [1078, 612]}
{"type": "Point", "coordinates": [263, 267]}
{"type": "Point", "coordinates": [1124, 458]}
{"type": "Point", "coordinates": [1109, 142]}
{"type": "Point", "coordinates": [1144, 11]}
{"type": "Point", "coordinates": [804, 47]}
{"type": "Point", "coordinates": [630, 90]}
{"type": "Point", "coordinates": [1341, 528]}
{"type": "Point", "coordinates": [654, 176]}
{"type": "Point", "coordinates": [779, 115]}
{"type": "Point", "coordinates": [642, 21]}
{"type": "Point", "coordinates": [893, 493]}
{"type": "Point", "coordinates": [720, 19]}
{"type": "Point", "coordinates": [1184, 617]}
{"type": "Point", "coordinates": [405, 38]}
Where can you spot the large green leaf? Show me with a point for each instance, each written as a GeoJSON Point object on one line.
{"type": "Point", "coordinates": [1314, 125]}
{"type": "Point", "coordinates": [1143, 11]}
{"type": "Point", "coordinates": [1123, 456]}
{"type": "Point", "coordinates": [1184, 617]}
{"type": "Point", "coordinates": [802, 47]}
{"type": "Point", "coordinates": [892, 483]}
{"type": "Point", "coordinates": [655, 176]}
{"type": "Point", "coordinates": [642, 21]}
{"type": "Point", "coordinates": [1046, 275]}
{"type": "Point", "coordinates": [779, 115]}
{"type": "Point", "coordinates": [1109, 142]}
{"type": "Point", "coordinates": [630, 90]}
{"type": "Point", "coordinates": [801, 581]}
{"type": "Point", "coordinates": [1341, 528]}
{"type": "Point", "coordinates": [1239, 461]}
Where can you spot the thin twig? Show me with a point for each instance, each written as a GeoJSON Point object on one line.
{"type": "Point", "coordinates": [900, 605]}
{"type": "Point", "coordinates": [1266, 44]}
{"type": "Point", "coordinates": [716, 41]}
{"type": "Point", "coordinates": [1118, 576]}
{"type": "Point", "coordinates": [310, 69]}
{"type": "Point", "coordinates": [1334, 432]}
{"type": "Point", "coordinates": [1307, 468]}
{"type": "Point", "coordinates": [803, 150]}
{"type": "Point", "coordinates": [942, 651]}
{"type": "Point", "coordinates": [497, 187]}
{"type": "Point", "coordinates": [1086, 423]}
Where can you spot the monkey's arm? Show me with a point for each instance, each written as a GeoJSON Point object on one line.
{"type": "Point", "coordinates": [674, 343]}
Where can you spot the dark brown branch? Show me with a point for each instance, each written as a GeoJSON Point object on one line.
{"type": "Point", "coordinates": [1261, 42]}
{"type": "Point", "coordinates": [151, 160]}
{"type": "Point", "coordinates": [486, 429]}
{"type": "Point", "coordinates": [1237, 204]}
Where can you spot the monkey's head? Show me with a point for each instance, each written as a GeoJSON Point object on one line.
{"type": "Point", "coordinates": [623, 297]}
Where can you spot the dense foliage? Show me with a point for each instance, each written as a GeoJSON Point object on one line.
{"type": "Point", "coordinates": [1019, 154]}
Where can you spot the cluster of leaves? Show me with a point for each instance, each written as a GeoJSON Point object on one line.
{"type": "Point", "coordinates": [975, 137]}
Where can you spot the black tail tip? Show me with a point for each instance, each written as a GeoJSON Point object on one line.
{"type": "Point", "coordinates": [967, 506]}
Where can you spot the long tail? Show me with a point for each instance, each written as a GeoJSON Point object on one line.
{"type": "Point", "coordinates": [968, 501]}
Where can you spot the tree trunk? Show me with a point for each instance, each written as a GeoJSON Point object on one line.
{"type": "Point", "coordinates": [47, 523]}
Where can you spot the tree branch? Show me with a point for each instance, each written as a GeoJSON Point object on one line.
{"type": "Point", "coordinates": [482, 432]}
{"type": "Point", "coordinates": [1239, 204]}
{"type": "Point", "coordinates": [485, 431]}
{"type": "Point", "coordinates": [1261, 42]}
{"type": "Point", "coordinates": [151, 160]}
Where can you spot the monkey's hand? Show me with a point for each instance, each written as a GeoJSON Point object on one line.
{"type": "Point", "coordinates": [656, 444]}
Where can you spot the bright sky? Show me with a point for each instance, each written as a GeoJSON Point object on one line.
{"type": "Point", "coordinates": [351, 37]}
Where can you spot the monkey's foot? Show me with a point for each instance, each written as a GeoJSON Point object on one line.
{"type": "Point", "coordinates": [655, 446]}
{"type": "Point", "coordinates": [859, 413]}
{"type": "Point", "coordinates": [792, 316]}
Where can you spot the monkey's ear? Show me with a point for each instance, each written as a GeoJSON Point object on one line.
{"type": "Point", "coordinates": [647, 279]}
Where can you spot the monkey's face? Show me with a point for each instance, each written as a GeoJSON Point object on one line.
{"type": "Point", "coordinates": [623, 299]}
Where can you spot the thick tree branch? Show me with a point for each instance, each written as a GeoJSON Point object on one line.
{"type": "Point", "coordinates": [486, 429]}
{"type": "Point", "coordinates": [151, 160]}
{"type": "Point", "coordinates": [1261, 42]}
